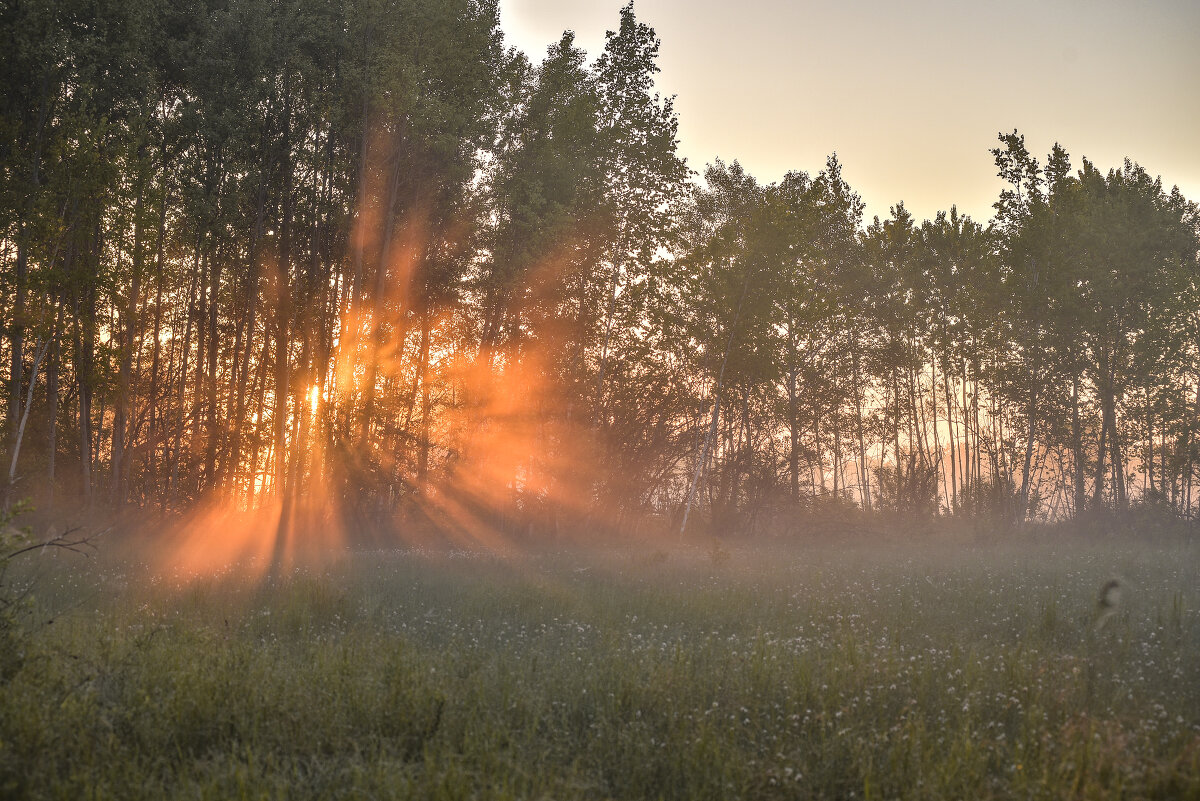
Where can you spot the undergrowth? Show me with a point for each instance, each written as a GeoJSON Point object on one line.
{"type": "Point", "coordinates": [874, 672]}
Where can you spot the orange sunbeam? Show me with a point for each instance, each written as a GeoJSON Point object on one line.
{"type": "Point", "coordinates": [442, 444]}
{"type": "Point", "coordinates": [222, 536]}
{"type": "Point", "coordinates": [521, 460]}
{"type": "Point", "coordinates": [521, 457]}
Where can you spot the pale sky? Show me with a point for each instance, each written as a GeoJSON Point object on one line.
{"type": "Point", "coordinates": [911, 95]}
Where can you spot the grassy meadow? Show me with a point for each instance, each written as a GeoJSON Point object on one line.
{"type": "Point", "coordinates": [873, 671]}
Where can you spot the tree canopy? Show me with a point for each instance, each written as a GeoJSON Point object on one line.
{"type": "Point", "coordinates": [362, 260]}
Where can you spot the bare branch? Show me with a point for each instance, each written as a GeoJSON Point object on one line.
{"type": "Point", "coordinates": [67, 541]}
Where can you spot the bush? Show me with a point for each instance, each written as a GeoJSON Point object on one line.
{"type": "Point", "coordinates": [14, 601]}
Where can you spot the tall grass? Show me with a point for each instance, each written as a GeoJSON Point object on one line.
{"type": "Point", "coordinates": [866, 672]}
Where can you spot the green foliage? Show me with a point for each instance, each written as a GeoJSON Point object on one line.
{"type": "Point", "coordinates": [910, 491]}
{"type": "Point", "coordinates": [14, 600]}
{"type": "Point", "coordinates": [272, 244]}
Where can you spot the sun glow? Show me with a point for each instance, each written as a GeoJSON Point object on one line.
{"type": "Point", "coordinates": [468, 447]}
{"type": "Point", "coordinates": [314, 398]}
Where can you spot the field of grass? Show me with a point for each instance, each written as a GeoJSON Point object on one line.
{"type": "Point", "coordinates": [867, 672]}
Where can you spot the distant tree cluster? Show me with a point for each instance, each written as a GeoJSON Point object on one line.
{"type": "Point", "coordinates": [361, 253]}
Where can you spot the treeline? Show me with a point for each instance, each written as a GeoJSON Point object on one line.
{"type": "Point", "coordinates": [361, 254]}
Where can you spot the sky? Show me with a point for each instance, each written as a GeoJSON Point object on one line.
{"type": "Point", "coordinates": [911, 95]}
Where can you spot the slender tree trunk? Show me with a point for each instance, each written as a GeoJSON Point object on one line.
{"type": "Point", "coordinates": [978, 450]}
{"type": "Point", "coordinates": [423, 373]}
{"type": "Point", "coordinates": [793, 411]}
{"type": "Point", "coordinates": [258, 486]}
{"type": "Point", "coordinates": [1105, 390]}
{"type": "Point", "coordinates": [284, 489]}
{"type": "Point", "coordinates": [966, 418]}
{"type": "Point", "coordinates": [302, 421]}
{"type": "Point", "coordinates": [376, 340]}
{"type": "Point", "coordinates": [1116, 456]}
{"type": "Point", "coordinates": [864, 468]}
{"type": "Point", "coordinates": [46, 102]}
{"type": "Point", "coordinates": [185, 354]}
{"type": "Point", "coordinates": [244, 339]}
{"type": "Point", "coordinates": [609, 315]}
{"type": "Point", "coordinates": [197, 425]}
{"type": "Point", "coordinates": [84, 394]}
{"type": "Point", "coordinates": [22, 411]}
{"type": "Point", "coordinates": [156, 346]}
{"type": "Point", "coordinates": [1080, 464]}
{"type": "Point", "coordinates": [52, 400]}
{"type": "Point", "coordinates": [1150, 444]}
{"type": "Point", "coordinates": [243, 347]}
{"type": "Point", "coordinates": [917, 410]}
{"type": "Point", "coordinates": [794, 432]}
{"type": "Point", "coordinates": [838, 481]}
{"type": "Point", "coordinates": [739, 491]}
{"type": "Point", "coordinates": [17, 332]}
{"type": "Point", "coordinates": [953, 443]}
{"type": "Point", "coordinates": [1189, 438]}
{"type": "Point", "coordinates": [282, 366]}
{"type": "Point", "coordinates": [900, 475]}
{"type": "Point", "coordinates": [818, 447]}
{"type": "Point", "coordinates": [1031, 432]}
{"type": "Point", "coordinates": [939, 456]}
{"type": "Point", "coordinates": [214, 428]}
{"type": "Point", "coordinates": [129, 335]}
{"type": "Point", "coordinates": [716, 411]}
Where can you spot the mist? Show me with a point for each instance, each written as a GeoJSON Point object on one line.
{"type": "Point", "coordinates": [390, 411]}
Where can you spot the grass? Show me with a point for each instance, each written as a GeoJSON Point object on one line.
{"type": "Point", "coordinates": [869, 672]}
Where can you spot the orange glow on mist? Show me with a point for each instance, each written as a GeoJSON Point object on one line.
{"type": "Point", "coordinates": [272, 536]}
{"type": "Point", "coordinates": [448, 442]}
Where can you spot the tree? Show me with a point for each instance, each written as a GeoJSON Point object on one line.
{"type": "Point", "coordinates": [644, 175]}
{"type": "Point", "coordinates": [736, 245]}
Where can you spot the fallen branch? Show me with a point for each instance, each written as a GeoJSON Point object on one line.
{"type": "Point", "coordinates": [66, 541]}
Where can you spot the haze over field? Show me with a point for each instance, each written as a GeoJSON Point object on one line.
{"type": "Point", "coordinates": [401, 399]}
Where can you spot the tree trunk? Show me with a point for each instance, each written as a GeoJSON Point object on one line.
{"type": "Point", "coordinates": [716, 409]}
{"type": "Point", "coordinates": [1117, 458]}
{"type": "Point", "coordinates": [152, 434]}
{"type": "Point", "coordinates": [52, 401]}
{"type": "Point", "coordinates": [1080, 490]}
{"type": "Point", "coordinates": [423, 373]}
{"type": "Point", "coordinates": [1105, 389]}
{"type": "Point", "coordinates": [864, 468]}
{"type": "Point", "coordinates": [39, 352]}
{"type": "Point", "coordinates": [966, 419]}
{"type": "Point", "coordinates": [375, 340]}
{"type": "Point", "coordinates": [939, 456]}
{"type": "Point", "coordinates": [182, 403]}
{"type": "Point", "coordinates": [1149, 472]}
{"type": "Point", "coordinates": [953, 444]}
{"type": "Point", "coordinates": [1031, 432]}
{"type": "Point", "coordinates": [284, 489]}
{"type": "Point", "coordinates": [793, 412]}
{"type": "Point", "coordinates": [84, 393]}
{"type": "Point", "coordinates": [130, 314]}
{"type": "Point", "coordinates": [215, 430]}
{"type": "Point", "coordinates": [794, 435]}
{"type": "Point", "coordinates": [17, 333]}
